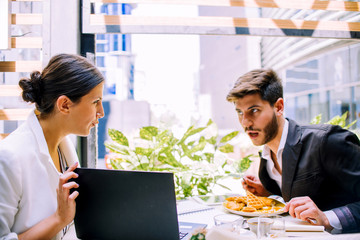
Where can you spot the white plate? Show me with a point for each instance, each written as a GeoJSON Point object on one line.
{"type": "Point", "coordinates": [256, 214]}
{"type": "Point", "coordinates": [252, 214]}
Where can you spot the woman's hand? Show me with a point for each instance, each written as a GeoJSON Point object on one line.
{"type": "Point", "coordinates": [305, 209]}
{"type": "Point", "coordinates": [65, 213]}
{"type": "Point", "coordinates": [253, 185]}
{"type": "Point", "coordinates": [66, 201]}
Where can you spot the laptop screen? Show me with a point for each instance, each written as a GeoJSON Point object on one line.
{"type": "Point", "coordinates": [117, 204]}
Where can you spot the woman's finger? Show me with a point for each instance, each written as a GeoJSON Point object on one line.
{"type": "Point", "coordinates": [72, 167]}
{"type": "Point", "coordinates": [74, 195]}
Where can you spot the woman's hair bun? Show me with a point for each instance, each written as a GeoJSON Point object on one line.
{"type": "Point", "coordinates": [31, 87]}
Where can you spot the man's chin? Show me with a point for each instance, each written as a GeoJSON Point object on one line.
{"type": "Point", "coordinates": [257, 143]}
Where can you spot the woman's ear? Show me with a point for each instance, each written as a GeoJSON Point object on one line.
{"type": "Point", "coordinates": [63, 104]}
{"type": "Point", "coordinates": [279, 107]}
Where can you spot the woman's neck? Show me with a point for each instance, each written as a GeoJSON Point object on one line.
{"type": "Point", "coordinates": [53, 136]}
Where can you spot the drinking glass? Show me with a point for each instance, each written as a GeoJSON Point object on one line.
{"type": "Point", "coordinates": [232, 222]}
{"type": "Point", "coordinates": [278, 229]}
{"type": "Point", "coordinates": [261, 226]}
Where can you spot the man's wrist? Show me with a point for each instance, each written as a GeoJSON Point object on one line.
{"type": "Point", "coordinates": [333, 222]}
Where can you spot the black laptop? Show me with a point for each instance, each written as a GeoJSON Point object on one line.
{"type": "Point", "coordinates": [129, 205]}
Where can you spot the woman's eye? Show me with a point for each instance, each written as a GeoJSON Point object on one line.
{"type": "Point", "coordinates": [254, 110]}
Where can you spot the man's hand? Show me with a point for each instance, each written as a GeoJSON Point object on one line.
{"type": "Point", "coordinates": [305, 209]}
{"type": "Point", "coordinates": [253, 185]}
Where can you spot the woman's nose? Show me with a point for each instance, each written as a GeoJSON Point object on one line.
{"type": "Point", "coordinates": [100, 113]}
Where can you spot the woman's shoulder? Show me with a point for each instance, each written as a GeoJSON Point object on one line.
{"type": "Point", "coordinates": [19, 142]}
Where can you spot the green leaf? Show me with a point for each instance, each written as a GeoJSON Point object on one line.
{"type": "Point", "coordinates": [165, 141]}
{"type": "Point", "coordinates": [162, 135]}
{"type": "Point", "coordinates": [143, 151]}
{"type": "Point", "coordinates": [245, 163]}
{"type": "Point", "coordinates": [185, 149]}
{"type": "Point", "coordinates": [118, 137]}
{"type": "Point", "coordinates": [199, 147]}
{"type": "Point", "coordinates": [212, 140]}
{"type": "Point", "coordinates": [148, 133]}
{"type": "Point", "coordinates": [229, 136]}
{"type": "Point", "coordinates": [223, 186]}
{"type": "Point", "coordinates": [143, 167]}
{"type": "Point", "coordinates": [191, 131]}
{"type": "Point", "coordinates": [209, 156]}
{"type": "Point", "coordinates": [152, 130]}
{"type": "Point", "coordinates": [227, 148]}
{"type": "Point", "coordinates": [316, 120]}
{"type": "Point", "coordinates": [117, 148]}
{"type": "Point", "coordinates": [350, 124]}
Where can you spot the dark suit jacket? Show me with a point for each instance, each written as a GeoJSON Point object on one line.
{"type": "Point", "coordinates": [322, 162]}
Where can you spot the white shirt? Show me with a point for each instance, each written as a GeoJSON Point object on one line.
{"type": "Point", "coordinates": [274, 174]}
{"type": "Point", "coordinates": [266, 154]}
{"type": "Point", "coordinates": [28, 178]}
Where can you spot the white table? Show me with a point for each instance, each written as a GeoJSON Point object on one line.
{"type": "Point", "coordinates": [208, 215]}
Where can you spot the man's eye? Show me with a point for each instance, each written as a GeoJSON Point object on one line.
{"type": "Point", "coordinates": [254, 110]}
{"type": "Point", "coordinates": [240, 113]}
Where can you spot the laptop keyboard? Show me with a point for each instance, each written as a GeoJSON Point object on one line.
{"type": "Point", "coordinates": [182, 234]}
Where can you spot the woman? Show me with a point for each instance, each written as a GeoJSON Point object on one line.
{"type": "Point", "coordinates": [35, 199]}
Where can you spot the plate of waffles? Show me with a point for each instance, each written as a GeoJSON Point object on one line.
{"type": "Point", "coordinates": [253, 206]}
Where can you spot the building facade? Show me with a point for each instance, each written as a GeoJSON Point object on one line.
{"type": "Point", "coordinates": [320, 75]}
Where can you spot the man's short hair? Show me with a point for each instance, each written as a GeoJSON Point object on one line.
{"type": "Point", "coordinates": [260, 81]}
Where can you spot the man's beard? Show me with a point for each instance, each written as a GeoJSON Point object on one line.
{"type": "Point", "coordinates": [271, 130]}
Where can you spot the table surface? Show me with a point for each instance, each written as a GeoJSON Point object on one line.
{"type": "Point", "coordinates": [207, 216]}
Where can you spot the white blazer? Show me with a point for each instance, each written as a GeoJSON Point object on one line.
{"type": "Point", "coordinates": [28, 178]}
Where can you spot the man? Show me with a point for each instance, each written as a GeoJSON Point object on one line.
{"type": "Point", "coordinates": [315, 168]}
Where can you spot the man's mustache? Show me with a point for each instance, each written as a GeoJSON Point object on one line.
{"type": "Point", "coordinates": [252, 129]}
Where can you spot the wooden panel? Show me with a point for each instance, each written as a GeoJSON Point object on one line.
{"type": "Point", "coordinates": [96, 19]}
{"type": "Point", "coordinates": [3, 135]}
{"type": "Point", "coordinates": [128, 24]}
{"type": "Point", "coordinates": [15, 114]}
{"type": "Point", "coordinates": [289, 4]}
{"type": "Point", "coordinates": [26, 19]}
{"type": "Point", "coordinates": [26, 42]}
{"type": "Point", "coordinates": [20, 66]}
{"type": "Point", "coordinates": [10, 90]}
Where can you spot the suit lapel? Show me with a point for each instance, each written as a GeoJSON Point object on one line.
{"type": "Point", "coordinates": [269, 184]}
{"type": "Point", "coordinates": [290, 158]}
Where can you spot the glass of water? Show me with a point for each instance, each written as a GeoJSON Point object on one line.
{"type": "Point", "coordinates": [278, 228]}
{"type": "Point", "coordinates": [233, 223]}
{"type": "Point", "coordinates": [261, 225]}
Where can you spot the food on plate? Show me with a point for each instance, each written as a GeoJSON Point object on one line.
{"type": "Point", "coordinates": [254, 201]}
{"type": "Point", "coordinates": [253, 204]}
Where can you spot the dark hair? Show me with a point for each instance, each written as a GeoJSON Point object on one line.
{"type": "Point", "coordinates": [260, 81]}
{"type": "Point", "coordinates": [66, 74]}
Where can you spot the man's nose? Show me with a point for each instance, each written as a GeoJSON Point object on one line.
{"type": "Point", "coordinates": [246, 122]}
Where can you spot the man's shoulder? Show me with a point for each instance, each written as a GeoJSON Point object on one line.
{"type": "Point", "coordinates": [315, 128]}
{"type": "Point", "coordinates": [335, 132]}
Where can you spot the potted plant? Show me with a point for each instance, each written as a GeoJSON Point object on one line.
{"type": "Point", "coordinates": [198, 159]}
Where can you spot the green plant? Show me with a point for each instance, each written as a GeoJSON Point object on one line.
{"type": "Point", "coordinates": [337, 120]}
{"type": "Point", "coordinates": [198, 158]}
